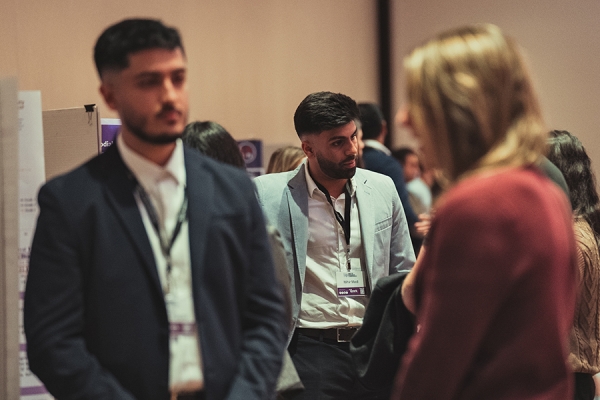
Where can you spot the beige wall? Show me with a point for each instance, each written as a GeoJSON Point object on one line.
{"type": "Point", "coordinates": [561, 39]}
{"type": "Point", "coordinates": [251, 62]}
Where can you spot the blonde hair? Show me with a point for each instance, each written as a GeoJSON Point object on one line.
{"type": "Point", "coordinates": [285, 159]}
{"type": "Point", "coordinates": [470, 95]}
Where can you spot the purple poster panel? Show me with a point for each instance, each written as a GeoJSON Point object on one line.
{"type": "Point", "coordinates": [253, 156]}
{"type": "Point", "coordinates": [110, 129]}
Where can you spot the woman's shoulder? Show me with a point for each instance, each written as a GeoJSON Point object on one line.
{"type": "Point", "coordinates": [520, 198]}
{"type": "Point", "coordinates": [510, 184]}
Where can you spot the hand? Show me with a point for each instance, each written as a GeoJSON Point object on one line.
{"type": "Point", "coordinates": [422, 226]}
{"type": "Point", "coordinates": [408, 286]}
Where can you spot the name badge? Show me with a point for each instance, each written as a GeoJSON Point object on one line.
{"type": "Point", "coordinates": [350, 283]}
{"type": "Point", "coordinates": [180, 311]}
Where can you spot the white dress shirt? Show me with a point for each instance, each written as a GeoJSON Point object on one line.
{"type": "Point", "coordinates": [374, 144]}
{"type": "Point", "coordinates": [321, 307]}
{"type": "Point", "coordinates": [419, 196]}
{"type": "Point", "coordinates": [165, 187]}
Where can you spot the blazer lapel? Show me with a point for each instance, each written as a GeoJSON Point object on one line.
{"type": "Point", "coordinates": [200, 188]}
{"type": "Point", "coordinates": [119, 193]}
{"type": "Point", "coordinates": [298, 214]}
{"type": "Point", "coordinates": [366, 217]}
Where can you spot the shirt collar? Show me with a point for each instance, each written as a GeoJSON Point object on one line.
{"type": "Point", "coordinates": [312, 186]}
{"type": "Point", "coordinates": [374, 144]}
{"type": "Point", "coordinates": [148, 173]}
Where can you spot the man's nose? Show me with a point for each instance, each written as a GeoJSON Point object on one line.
{"type": "Point", "coordinates": [352, 149]}
{"type": "Point", "coordinates": [169, 92]}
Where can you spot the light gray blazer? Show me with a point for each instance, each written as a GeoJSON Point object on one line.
{"type": "Point", "coordinates": [385, 238]}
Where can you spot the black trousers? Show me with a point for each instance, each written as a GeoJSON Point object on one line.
{"type": "Point", "coordinates": [585, 388]}
{"type": "Point", "coordinates": [327, 372]}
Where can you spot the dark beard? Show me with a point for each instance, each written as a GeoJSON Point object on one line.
{"type": "Point", "coordinates": [334, 170]}
{"type": "Point", "coordinates": [135, 126]}
{"type": "Point", "coordinates": [163, 138]}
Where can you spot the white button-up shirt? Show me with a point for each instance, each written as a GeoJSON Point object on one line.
{"type": "Point", "coordinates": [321, 307]}
{"type": "Point", "coordinates": [377, 146]}
{"type": "Point", "coordinates": [165, 187]}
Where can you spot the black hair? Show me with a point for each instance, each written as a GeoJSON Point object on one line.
{"type": "Point", "coordinates": [213, 140]}
{"type": "Point", "coordinates": [372, 120]}
{"type": "Point", "coordinates": [323, 111]}
{"type": "Point", "coordinates": [401, 154]}
{"type": "Point", "coordinates": [568, 154]}
{"type": "Point", "coordinates": [129, 36]}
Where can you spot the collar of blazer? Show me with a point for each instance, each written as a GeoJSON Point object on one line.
{"type": "Point", "coordinates": [119, 193]}
{"type": "Point", "coordinates": [298, 211]}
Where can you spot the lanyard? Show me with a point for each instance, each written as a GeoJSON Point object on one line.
{"type": "Point", "coordinates": [165, 245]}
{"type": "Point", "coordinates": [343, 221]}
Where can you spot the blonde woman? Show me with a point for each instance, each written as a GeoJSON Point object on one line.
{"type": "Point", "coordinates": [494, 292]}
{"type": "Point", "coordinates": [285, 159]}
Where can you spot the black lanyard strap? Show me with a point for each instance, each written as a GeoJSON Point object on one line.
{"type": "Point", "coordinates": [165, 245]}
{"type": "Point", "coordinates": [345, 220]}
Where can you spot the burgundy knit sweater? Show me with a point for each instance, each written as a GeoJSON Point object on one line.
{"type": "Point", "coordinates": [495, 294]}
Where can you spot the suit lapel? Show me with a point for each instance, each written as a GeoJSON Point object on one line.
{"type": "Point", "coordinates": [200, 188]}
{"type": "Point", "coordinates": [367, 220]}
{"type": "Point", "coordinates": [119, 193]}
{"type": "Point", "coordinates": [298, 214]}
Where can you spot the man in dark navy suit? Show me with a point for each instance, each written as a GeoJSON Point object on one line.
{"type": "Point", "coordinates": [378, 158]}
{"type": "Point", "coordinates": [150, 273]}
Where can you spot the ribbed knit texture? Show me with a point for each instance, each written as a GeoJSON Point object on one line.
{"type": "Point", "coordinates": [585, 336]}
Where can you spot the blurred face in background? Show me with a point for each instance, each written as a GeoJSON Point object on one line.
{"type": "Point", "coordinates": [411, 167]}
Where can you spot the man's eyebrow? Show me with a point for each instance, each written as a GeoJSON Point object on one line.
{"type": "Point", "coordinates": [152, 74]}
{"type": "Point", "coordinates": [148, 74]}
{"type": "Point", "coordinates": [343, 136]}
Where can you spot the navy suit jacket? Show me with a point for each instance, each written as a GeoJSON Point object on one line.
{"type": "Point", "coordinates": [95, 317]}
{"type": "Point", "coordinates": [378, 161]}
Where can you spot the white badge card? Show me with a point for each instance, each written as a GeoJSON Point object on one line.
{"type": "Point", "coordinates": [180, 312]}
{"type": "Point", "coordinates": [350, 283]}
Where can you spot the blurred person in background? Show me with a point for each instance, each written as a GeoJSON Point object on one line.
{"type": "Point", "coordinates": [360, 143]}
{"type": "Point", "coordinates": [213, 140]}
{"type": "Point", "coordinates": [569, 155]}
{"type": "Point", "coordinates": [418, 190]}
{"type": "Point", "coordinates": [285, 159]}
{"type": "Point", "coordinates": [377, 157]}
{"type": "Point", "coordinates": [419, 193]}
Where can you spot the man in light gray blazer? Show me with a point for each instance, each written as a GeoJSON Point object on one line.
{"type": "Point", "coordinates": [343, 228]}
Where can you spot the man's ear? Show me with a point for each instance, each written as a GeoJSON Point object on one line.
{"type": "Point", "coordinates": [307, 148]}
{"type": "Point", "coordinates": [108, 94]}
{"type": "Point", "coordinates": [384, 129]}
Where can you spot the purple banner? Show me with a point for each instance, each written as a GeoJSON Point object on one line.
{"type": "Point", "coordinates": [28, 391]}
{"type": "Point", "coordinates": [110, 129]}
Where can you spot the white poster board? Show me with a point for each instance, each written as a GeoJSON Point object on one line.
{"type": "Point", "coordinates": [31, 177]}
{"type": "Point", "coordinates": [71, 137]}
{"type": "Point", "coordinates": [9, 291]}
